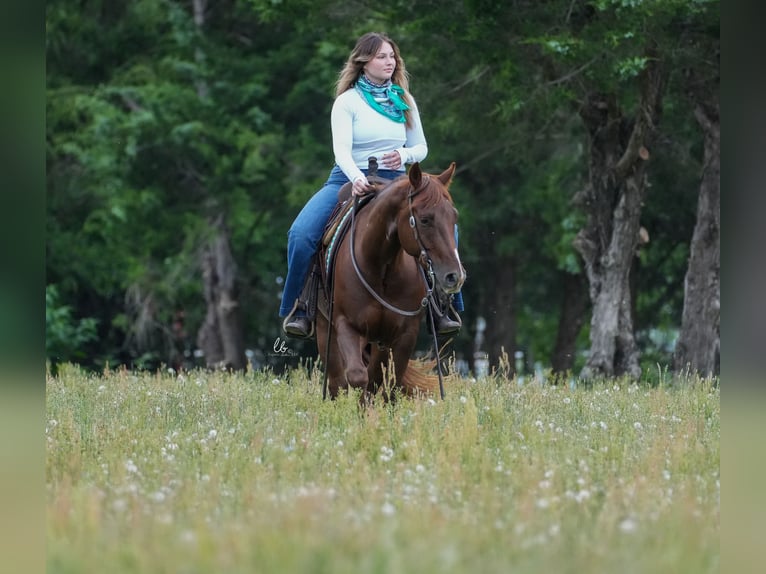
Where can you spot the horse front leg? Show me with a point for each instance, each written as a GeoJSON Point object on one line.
{"type": "Point", "coordinates": [401, 352]}
{"type": "Point", "coordinates": [377, 371]}
{"type": "Point", "coordinates": [333, 366]}
{"type": "Point", "coordinates": [350, 346]}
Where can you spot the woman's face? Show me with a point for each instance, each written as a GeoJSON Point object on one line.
{"type": "Point", "coordinates": [382, 65]}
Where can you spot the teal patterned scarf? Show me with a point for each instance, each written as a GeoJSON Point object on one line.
{"type": "Point", "coordinates": [386, 99]}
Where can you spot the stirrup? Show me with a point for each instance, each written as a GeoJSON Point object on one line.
{"type": "Point", "coordinates": [447, 325]}
{"type": "Point", "coordinates": [293, 331]}
{"type": "Point", "coordinates": [446, 320]}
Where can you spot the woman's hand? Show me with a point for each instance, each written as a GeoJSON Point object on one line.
{"type": "Point", "coordinates": [361, 186]}
{"type": "Point", "coordinates": [391, 160]}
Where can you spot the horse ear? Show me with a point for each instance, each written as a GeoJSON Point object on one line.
{"type": "Point", "coordinates": [446, 176]}
{"type": "Point", "coordinates": [416, 176]}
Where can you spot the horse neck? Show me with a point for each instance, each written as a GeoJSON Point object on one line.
{"type": "Point", "coordinates": [380, 241]}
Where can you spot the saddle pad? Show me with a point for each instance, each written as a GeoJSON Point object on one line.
{"type": "Point", "coordinates": [339, 214]}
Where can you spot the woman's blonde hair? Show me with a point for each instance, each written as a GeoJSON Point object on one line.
{"type": "Point", "coordinates": [365, 50]}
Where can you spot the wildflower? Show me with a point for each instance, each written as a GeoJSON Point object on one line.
{"type": "Point", "coordinates": [637, 425]}
{"type": "Point", "coordinates": [582, 495]}
{"type": "Point", "coordinates": [628, 525]}
{"type": "Point", "coordinates": [463, 399]}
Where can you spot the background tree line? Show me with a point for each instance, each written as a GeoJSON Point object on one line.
{"type": "Point", "coordinates": [184, 136]}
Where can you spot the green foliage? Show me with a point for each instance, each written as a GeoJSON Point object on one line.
{"type": "Point", "coordinates": [65, 336]}
{"type": "Point", "coordinates": [156, 124]}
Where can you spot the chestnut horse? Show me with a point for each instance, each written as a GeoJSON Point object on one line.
{"type": "Point", "coordinates": [400, 247]}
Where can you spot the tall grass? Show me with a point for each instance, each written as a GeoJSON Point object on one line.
{"type": "Point", "coordinates": [211, 472]}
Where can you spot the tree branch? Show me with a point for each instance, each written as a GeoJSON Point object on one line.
{"type": "Point", "coordinates": [651, 95]}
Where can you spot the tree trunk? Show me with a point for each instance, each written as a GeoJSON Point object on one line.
{"type": "Point", "coordinates": [501, 322]}
{"type": "Point", "coordinates": [699, 343]}
{"type": "Point", "coordinates": [574, 306]}
{"type": "Point", "coordinates": [220, 337]}
{"type": "Point", "coordinates": [612, 201]}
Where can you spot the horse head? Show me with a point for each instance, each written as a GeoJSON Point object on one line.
{"type": "Point", "coordinates": [427, 227]}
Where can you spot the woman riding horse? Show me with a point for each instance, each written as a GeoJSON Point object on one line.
{"type": "Point", "coordinates": [399, 253]}
{"type": "Point", "coordinates": [373, 115]}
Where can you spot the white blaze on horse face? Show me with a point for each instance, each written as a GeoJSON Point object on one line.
{"type": "Point", "coordinates": [462, 269]}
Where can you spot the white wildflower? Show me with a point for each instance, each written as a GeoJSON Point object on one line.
{"type": "Point", "coordinates": [628, 525]}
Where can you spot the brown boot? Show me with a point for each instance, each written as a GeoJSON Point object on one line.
{"type": "Point", "coordinates": [297, 327]}
{"type": "Point", "coordinates": [447, 324]}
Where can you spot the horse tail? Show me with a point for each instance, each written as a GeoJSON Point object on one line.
{"type": "Point", "coordinates": [419, 380]}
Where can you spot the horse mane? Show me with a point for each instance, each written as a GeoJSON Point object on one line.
{"type": "Point", "coordinates": [430, 192]}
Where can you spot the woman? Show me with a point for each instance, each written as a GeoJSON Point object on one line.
{"type": "Point", "coordinates": [373, 115]}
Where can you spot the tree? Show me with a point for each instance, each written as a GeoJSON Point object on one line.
{"type": "Point", "coordinates": [699, 343]}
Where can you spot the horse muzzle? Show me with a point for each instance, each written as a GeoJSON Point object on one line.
{"type": "Point", "coordinates": [452, 281]}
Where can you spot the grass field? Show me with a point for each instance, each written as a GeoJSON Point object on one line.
{"type": "Point", "coordinates": [217, 473]}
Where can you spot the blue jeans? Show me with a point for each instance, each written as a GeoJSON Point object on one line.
{"type": "Point", "coordinates": [306, 232]}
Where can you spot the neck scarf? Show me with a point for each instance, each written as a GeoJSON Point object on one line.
{"type": "Point", "coordinates": [386, 98]}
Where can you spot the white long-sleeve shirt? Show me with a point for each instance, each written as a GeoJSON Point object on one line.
{"type": "Point", "coordinates": [359, 132]}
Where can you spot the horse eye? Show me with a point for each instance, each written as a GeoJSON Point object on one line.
{"type": "Point", "coordinates": [425, 221]}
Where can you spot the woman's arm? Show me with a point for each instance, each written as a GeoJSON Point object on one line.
{"type": "Point", "coordinates": [341, 121]}
{"type": "Point", "coordinates": [416, 148]}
